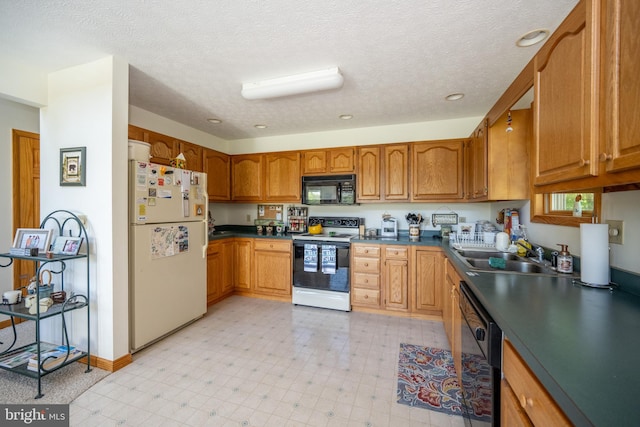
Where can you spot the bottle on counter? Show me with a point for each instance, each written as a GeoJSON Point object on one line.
{"type": "Point", "coordinates": [565, 260]}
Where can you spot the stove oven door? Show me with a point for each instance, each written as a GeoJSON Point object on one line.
{"type": "Point", "coordinates": [312, 276]}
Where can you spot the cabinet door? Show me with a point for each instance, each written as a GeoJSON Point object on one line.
{"type": "Point", "coordinates": [163, 148]}
{"type": "Point", "coordinates": [565, 100]}
{"type": "Point", "coordinates": [437, 170]}
{"type": "Point", "coordinates": [227, 271]}
{"type": "Point", "coordinates": [511, 413]}
{"type": "Point", "coordinates": [282, 180]}
{"type": "Point", "coordinates": [314, 162]}
{"type": "Point", "coordinates": [242, 261]}
{"type": "Point", "coordinates": [214, 267]}
{"type": "Point", "coordinates": [341, 160]}
{"type": "Point", "coordinates": [479, 162]}
{"type": "Point", "coordinates": [272, 271]}
{"type": "Point", "coordinates": [396, 283]}
{"type": "Point", "coordinates": [217, 166]}
{"type": "Point", "coordinates": [368, 173]}
{"type": "Point", "coordinates": [622, 91]}
{"type": "Point", "coordinates": [396, 172]}
{"type": "Point", "coordinates": [192, 154]}
{"type": "Point", "coordinates": [246, 177]}
{"type": "Point", "coordinates": [428, 281]}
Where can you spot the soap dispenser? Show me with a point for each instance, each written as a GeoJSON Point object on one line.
{"type": "Point", "coordinates": [565, 260]}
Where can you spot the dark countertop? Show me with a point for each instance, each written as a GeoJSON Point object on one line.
{"type": "Point", "coordinates": [580, 342]}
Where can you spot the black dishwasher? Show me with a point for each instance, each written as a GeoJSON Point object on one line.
{"type": "Point", "coordinates": [481, 362]}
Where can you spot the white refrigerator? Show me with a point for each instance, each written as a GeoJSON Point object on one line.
{"type": "Point", "coordinates": [167, 250]}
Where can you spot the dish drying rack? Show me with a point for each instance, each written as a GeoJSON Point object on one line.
{"type": "Point", "coordinates": [469, 240]}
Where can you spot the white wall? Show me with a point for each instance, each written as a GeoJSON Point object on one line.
{"type": "Point", "coordinates": [147, 120]}
{"type": "Point", "coordinates": [622, 206]}
{"type": "Point", "coordinates": [22, 83]}
{"type": "Point", "coordinates": [88, 107]}
{"type": "Point", "coordinates": [21, 117]}
{"type": "Point", "coordinates": [424, 131]}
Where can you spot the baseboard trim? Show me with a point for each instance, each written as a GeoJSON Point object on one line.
{"type": "Point", "coordinates": [109, 365]}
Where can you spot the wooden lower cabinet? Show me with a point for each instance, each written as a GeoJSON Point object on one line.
{"type": "Point", "coordinates": [451, 314]}
{"type": "Point", "coordinates": [395, 276]}
{"type": "Point", "coordinates": [426, 280]}
{"type": "Point", "coordinates": [365, 275]}
{"type": "Point", "coordinates": [511, 412]}
{"type": "Point", "coordinates": [220, 257]}
{"type": "Point", "coordinates": [530, 395]}
{"type": "Point", "coordinates": [272, 267]}
{"type": "Point", "coordinates": [243, 248]}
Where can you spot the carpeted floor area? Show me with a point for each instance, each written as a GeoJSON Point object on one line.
{"type": "Point", "coordinates": [62, 386]}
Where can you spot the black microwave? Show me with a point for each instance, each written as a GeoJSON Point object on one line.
{"type": "Point", "coordinates": [329, 190]}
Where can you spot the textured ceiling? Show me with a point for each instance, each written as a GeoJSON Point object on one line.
{"type": "Point", "coordinates": [189, 58]}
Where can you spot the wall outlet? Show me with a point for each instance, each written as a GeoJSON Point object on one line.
{"type": "Point", "coordinates": [616, 231]}
{"type": "Point", "coordinates": [248, 218]}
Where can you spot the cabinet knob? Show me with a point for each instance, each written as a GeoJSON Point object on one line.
{"type": "Point", "coordinates": [366, 264]}
{"type": "Point", "coordinates": [366, 280]}
{"type": "Point", "coordinates": [366, 297]}
{"type": "Point", "coordinates": [366, 251]}
{"type": "Point", "coordinates": [605, 157]}
{"type": "Point", "coordinates": [584, 162]}
{"type": "Point", "coordinates": [526, 401]}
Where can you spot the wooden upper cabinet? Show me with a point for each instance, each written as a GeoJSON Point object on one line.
{"type": "Point", "coordinates": [331, 161]}
{"type": "Point", "coordinates": [396, 172]}
{"type": "Point", "coordinates": [368, 159]}
{"type": "Point", "coordinates": [479, 171]}
{"type": "Point", "coordinates": [217, 166]}
{"type": "Point", "coordinates": [437, 170]}
{"type": "Point", "coordinates": [192, 154]}
{"type": "Point", "coordinates": [621, 68]}
{"type": "Point", "coordinates": [508, 155]}
{"type": "Point", "coordinates": [163, 148]}
{"type": "Point", "coordinates": [341, 160]}
{"type": "Point", "coordinates": [314, 162]}
{"type": "Point", "coordinates": [246, 177]}
{"type": "Point", "coordinates": [282, 177]}
{"type": "Point", "coordinates": [565, 99]}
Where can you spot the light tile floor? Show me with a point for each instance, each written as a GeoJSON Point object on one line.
{"type": "Point", "coordinates": [253, 362]}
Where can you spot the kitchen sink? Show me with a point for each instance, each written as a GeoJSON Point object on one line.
{"type": "Point", "coordinates": [487, 254]}
{"type": "Point", "coordinates": [478, 260]}
{"type": "Point", "coordinates": [510, 265]}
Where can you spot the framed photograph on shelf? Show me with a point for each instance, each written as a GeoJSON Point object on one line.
{"type": "Point", "coordinates": [73, 166]}
{"type": "Point", "coordinates": [66, 245]}
{"type": "Point", "coordinates": [31, 241]}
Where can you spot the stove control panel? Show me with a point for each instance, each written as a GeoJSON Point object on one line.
{"type": "Point", "coordinates": [335, 221]}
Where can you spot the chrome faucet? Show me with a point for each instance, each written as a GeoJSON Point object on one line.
{"type": "Point", "coordinates": [537, 252]}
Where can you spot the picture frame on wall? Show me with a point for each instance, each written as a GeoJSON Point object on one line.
{"type": "Point", "coordinates": [73, 166]}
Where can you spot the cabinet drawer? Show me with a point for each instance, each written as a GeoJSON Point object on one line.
{"type": "Point", "coordinates": [366, 251]}
{"type": "Point", "coordinates": [396, 252]}
{"type": "Point", "coordinates": [532, 396]}
{"type": "Point", "coordinates": [272, 245]}
{"type": "Point", "coordinates": [367, 297]}
{"type": "Point", "coordinates": [364, 280]}
{"type": "Point", "coordinates": [366, 265]}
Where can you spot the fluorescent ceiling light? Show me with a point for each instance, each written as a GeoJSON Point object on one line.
{"type": "Point", "coordinates": [292, 85]}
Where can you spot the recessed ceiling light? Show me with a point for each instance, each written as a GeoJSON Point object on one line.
{"type": "Point", "coordinates": [214, 121]}
{"type": "Point", "coordinates": [454, 96]}
{"type": "Point", "coordinates": [532, 37]}
{"type": "Point", "coordinates": [260, 126]}
{"type": "Point", "coordinates": [346, 116]}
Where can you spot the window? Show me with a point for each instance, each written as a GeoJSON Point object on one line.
{"type": "Point", "coordinates": [558, 208]}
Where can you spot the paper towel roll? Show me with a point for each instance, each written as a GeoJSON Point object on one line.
{"type": "Point", "coordinates": [594, 254]}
